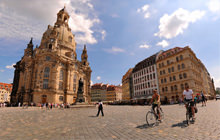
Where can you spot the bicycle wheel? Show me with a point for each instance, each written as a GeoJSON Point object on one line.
{"type": "Point", "coordinates": [187, 118]}
{"type": "Point", "coordinates": [161, 114]}
{"type": "Point", "coordinates": [151, 118]}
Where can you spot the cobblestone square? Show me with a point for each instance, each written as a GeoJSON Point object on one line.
{"type": "Point", "coordinates": [119, 122]}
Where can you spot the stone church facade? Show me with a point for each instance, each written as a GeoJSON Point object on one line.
{"type": "Point", "coordinates": [51, 72]}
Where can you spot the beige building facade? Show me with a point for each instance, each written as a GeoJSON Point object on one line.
{"type": "Point", "coordinates": [98, 92]}
{"type": "Point", "coordinates": [51, 72]}
{"type": "Point", "coordinates": [145, 79]}
{"type": "Point", "coordinates": [178, 67]}
{"type": "Point", "coordinates": [127, 85]}
{"type": "Point", "coordinates": [4, 95]}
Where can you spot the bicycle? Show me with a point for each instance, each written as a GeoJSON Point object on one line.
{"type": "Point", "coordinates": [152, 117]}
{"type": "Point", "coordinates": [189, 116]}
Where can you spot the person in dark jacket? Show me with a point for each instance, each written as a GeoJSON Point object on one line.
{"type": "Point", "coordinates": [100, 108]}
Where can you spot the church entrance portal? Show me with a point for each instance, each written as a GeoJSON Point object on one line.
{"type": "Point", "coordinates": [44, 99]}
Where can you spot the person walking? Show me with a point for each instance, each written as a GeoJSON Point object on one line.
{"type": "Point", "coordinates": [203, 99]}
{"type": "Point", "coordinates": [100, 108]}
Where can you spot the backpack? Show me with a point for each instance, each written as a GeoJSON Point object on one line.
{"type": "Point", "coordinates": [196, 109]}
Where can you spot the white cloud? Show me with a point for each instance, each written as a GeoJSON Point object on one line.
{"type": "Point", "coordinates": [10, 66]}
{"type": "Point", "coordinates": [98, 77]}
{"type": "Point", "coordinates": [174, 24]}
{"type": "Point", "coordinates": [115, 16]}
{"type": "Point", "coordinates": [10, 80]}
{"type": "Point", "coordinates": [163, 43]}
{"type": "Point", "coordinates": [144, 46]}
{"type": "Point", "coordinates": [115, 50]}
{"type": "Point", "coordinates": [144, 10]}
{"type": "Point", "coordinates": [91, 82]}
{"type": "Point", "coordinates": [103, 34]}
{"type": "Point", "coordinates": [214, 72]}
{"type": "Point", "coordinates": [2, 70]}
{"type": "Point", "coordinates": [24, 19]}
{"type": "Point", "coordinates": [214, 6]}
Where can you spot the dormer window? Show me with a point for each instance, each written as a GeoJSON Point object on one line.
{"type": "Point", "coordinates": [59, 17]}
{"type": "Point", "coordinates": [65, 19]}
{"type": "Point", "coordinates": [50, 46]}
{"type": "Point", "coordinates": [52, 40]}
{"type": "Point", "coordinates": [70, 39]}
{"type": "Point", "coordinates": [47, 58]}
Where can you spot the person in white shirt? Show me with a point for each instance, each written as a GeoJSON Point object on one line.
{"type": "Point", "coordinates": [188, 97]}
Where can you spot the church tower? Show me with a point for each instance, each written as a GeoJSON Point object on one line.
{"type": "Point", "coordinates": [84, 57]}
{"type": "Point", "coordinates": [29, 50]}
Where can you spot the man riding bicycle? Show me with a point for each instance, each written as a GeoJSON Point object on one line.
{"type": "Point", "coordinates": [189, 98]}
{"type": "Point", "coordinates": [156, 103]}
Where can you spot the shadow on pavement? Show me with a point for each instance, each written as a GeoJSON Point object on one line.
{"type": "Point", "coordinates": [144, 126]}
{"type": "Point", "coordinates": [181, 124]}
{"type": "Point", "coordinates": [93, 116]}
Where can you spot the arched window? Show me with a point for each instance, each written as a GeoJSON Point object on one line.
{"type": "Point", "coordinates": [74, 82]}
{"type": "Point", "coordinates": [165, 80]}
{"type": "Point", "coordinates": [46, 72]}
{"type": "Point", "coordinates": [169, 70]}
{"type": "Point", "coordinates": [50, 46]}
{"type": "Point", "coordinates": [182, 86]}
{"type": "Point", "coordinates": [61, 79]}
{"type": "Point", "coordinates": [181, 57]}
{"type": "Point", "coordinates": [45, 83]}
{"type": "Point", "coordinates": [46, 77]}
{"type": "Point", "coordinates": [61, 74]}
{"type": "Point", "coordinates": [175, 87]}
{"type": "Point", "coordinates": [183, 66]}
{"type": "Point", "coordinates": [170, 79]}
{"type": "Point", "coordinates": [184, 75]}
{"type": "Point", "coordinates": [180, 76]}
{"type": "Point", "coordinates": [35, 82]}
{"type": "Point", "coordinates": [177, 59]}
{"type": "Point", "coordinates": [178, 67]}
{"type": "Point", "coordinates": [70, 39]}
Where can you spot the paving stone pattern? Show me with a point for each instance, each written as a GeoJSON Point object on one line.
{"type": "Point", "coordinates": [119, 122]}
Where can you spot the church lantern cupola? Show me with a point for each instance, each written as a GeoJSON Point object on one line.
{"type": "Point", "coordinates": [62, 17]}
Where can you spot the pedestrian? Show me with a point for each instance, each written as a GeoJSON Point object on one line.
{"type": "Point", "coordinates": [195, 100]}
{"type": "Point", "coordinates": [51, 106]}
{"type": "Point", "coordinates": [100, 108]}
{"type": "Point", "coordinates": [203, 99]}
{"type": "Point", "coordinates": [19, 104]}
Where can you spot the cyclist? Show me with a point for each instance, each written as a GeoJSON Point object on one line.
{"type": "Point", "coordinates": [188, 97]}
{"type": "Point", "coordinates": [156, 103]}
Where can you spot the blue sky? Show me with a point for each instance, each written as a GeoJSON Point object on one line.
{"type": "Point", "coordinates": [118, 33]}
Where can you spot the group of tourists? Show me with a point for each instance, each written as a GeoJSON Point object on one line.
{"type": "Point", "coordinates": [50, 106]}
{"type": "Point", "coordinates": [3, 105]}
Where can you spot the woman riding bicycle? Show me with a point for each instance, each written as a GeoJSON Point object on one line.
{"type": "Point", "coordinates": [156, 103]}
